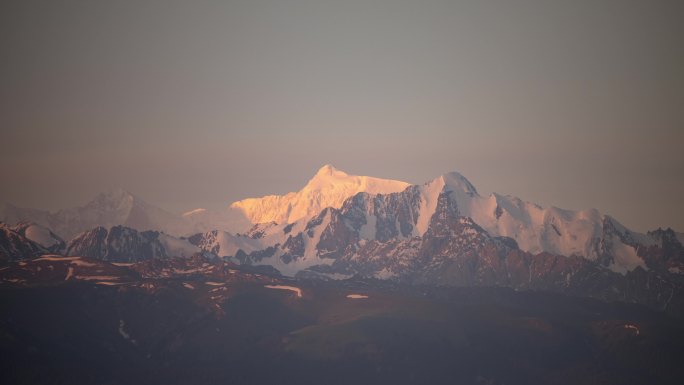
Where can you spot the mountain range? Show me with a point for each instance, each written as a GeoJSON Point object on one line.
{"type": "Point", "coordinates": [341, 226]}
{"type": "Point", "coordinates": [328, 188]}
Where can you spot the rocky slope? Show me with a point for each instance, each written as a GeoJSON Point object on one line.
{"type": "Point", "coordinates": [16, 246]}
{"type": "Point", "coordinates": [123, 244]}
{"type": "Point", "coordinates": [40, 235]}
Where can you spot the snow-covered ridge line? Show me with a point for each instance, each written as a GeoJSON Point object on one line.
{"type": "Point", "coordinates": [407, 214]}
{"type": "Point", "coordinates": [536, 229]}
{"type": "Point", "coordinates": [330, 187]}
{"type": "Point", "coordinates": [370, 209]}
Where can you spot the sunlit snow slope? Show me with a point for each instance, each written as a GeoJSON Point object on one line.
{"type": "Point", "coordinates": [328, 188]}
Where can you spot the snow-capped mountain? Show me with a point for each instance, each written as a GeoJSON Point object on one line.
{"type": "Point", "coordinates": [379, 237]}
{"type": "Point", "coordinates": [535, 229]}
{"type": "Point", "coordinates": [370, 209]}
{"type": "Point", "coordinates": [407, 214]}
{"type": "Point", "coordinates": [111, 208]}
{"type": "Point", "coordinates": [330, 187]}
{"type": "Point", "coordinates": [442, 232]}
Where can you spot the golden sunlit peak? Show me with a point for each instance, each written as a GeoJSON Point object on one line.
{"type": "Point", "coordinates": [329, 169]}
{"type": "Point", "coordinates": [330, 187]}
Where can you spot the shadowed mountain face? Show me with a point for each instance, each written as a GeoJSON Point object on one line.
{"type": "Point", "coordinates": [179, 321]}
{"type": "Point", "coordinates": [15, 246]}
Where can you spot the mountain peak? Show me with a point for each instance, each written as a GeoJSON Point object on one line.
{"type": "Point", "coordinates": [454, 181]}
{"type": "Point", "coordinates": [330, 170]}
{"type": "Point", "coordinates": [330, 187]}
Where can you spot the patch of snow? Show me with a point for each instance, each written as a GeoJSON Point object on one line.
{"type": "Point", "coordinates": [282, 287]}
{"type": "Point", "coordinates": [41, 235]}
{"type": "Point", "coordinates": [357, 296]}
{"type": "Point", "coordinates": [215, 283]}
{"type": "Point", "coordinates": [632, 327]}
{"type": "Point", "coordinates": [82, 263]}
{"type": "Point", "coordinates": [385, 273]}
{"type": "Point", "coordinates": [369, 229]}
{"type": "Point", "coordinates": [123, 333]}
{"type": "Point", "coordinates": [195, 212]}
{"type": "Point", "coordinates": [56, 258]}
{"type": "Point", "coordinates": [188, 286]}
{"type": "Point", "coordinates": [96, 277]}
{"type": "Point", "coordinates": [625, 258]}
{"type": "Point", "coordinates": [429, 195]}
{"type": "Point", "coordinates": [177, 247]}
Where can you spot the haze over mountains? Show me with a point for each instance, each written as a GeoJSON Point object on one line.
{"type": "Point", "coordinates": [328, 188]}
{"type": "Point", "coordinates": [339, 226]}
{"type": "Point", "coordinates": [356, 272]}
{"type": "Point", "coordinates": [534, 229]}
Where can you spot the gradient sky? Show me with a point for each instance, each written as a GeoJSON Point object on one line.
{"type": "Point", "coordinates": [195, 104]}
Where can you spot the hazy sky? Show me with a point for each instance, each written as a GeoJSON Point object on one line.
{"type": "Point", "coordinates": [195, 104]}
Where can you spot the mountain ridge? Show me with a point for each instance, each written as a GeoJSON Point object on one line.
{"type": "Point", "coordinates": [329, 187]}
{"type": "Point", "coordinates": [371, 215]}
